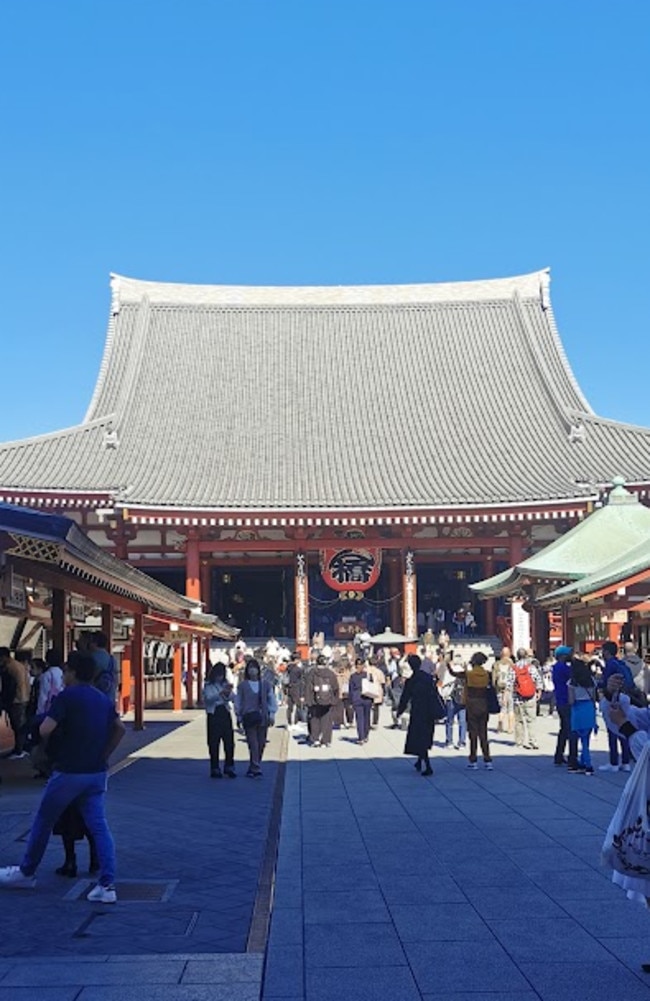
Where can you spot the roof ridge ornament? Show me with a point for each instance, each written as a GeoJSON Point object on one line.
{"type": "Point", "coordinates": [619, 494]}
{"type": "Point", "coordinates": [111, 437]}
{"type": "Point", "coordinates": [577, 432]}
{"type": "Point", "coordinates": [545, 288]}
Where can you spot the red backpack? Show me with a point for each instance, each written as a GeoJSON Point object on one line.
{"type": "Point", "coordinates": [524, 684]}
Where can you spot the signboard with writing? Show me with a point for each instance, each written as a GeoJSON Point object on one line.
{"type": "Point", "coordinates": [350, 569]}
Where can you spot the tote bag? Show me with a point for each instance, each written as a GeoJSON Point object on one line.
{"type": "Point", "coordinates": [626, 848]}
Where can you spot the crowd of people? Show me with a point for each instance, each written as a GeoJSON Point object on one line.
{"type": "Point", "coordinates": [338, 687]}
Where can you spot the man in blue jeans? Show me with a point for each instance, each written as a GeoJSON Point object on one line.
{"type": "Point", "coordinates": [83, 730]}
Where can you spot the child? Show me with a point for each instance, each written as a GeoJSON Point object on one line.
{"type": "Point", "coordinates": [582, 699]}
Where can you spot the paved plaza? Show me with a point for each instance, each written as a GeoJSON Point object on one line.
{"type": "Point", "coordinates": [468, 886]}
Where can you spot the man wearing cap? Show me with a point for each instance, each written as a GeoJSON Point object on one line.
{"type": "Point", "coordinates": [561, 676]}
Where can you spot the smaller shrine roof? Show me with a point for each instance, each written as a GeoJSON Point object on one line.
{"type": "Point", "coordinates": [57, 543]}
{"type": "Point", "coordinates": [594, 544]}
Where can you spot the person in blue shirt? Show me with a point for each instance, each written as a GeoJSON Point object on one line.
{"type": "Point", "coordinates": [85, 730]}
{"type": "Point", "coordinates": [561, 673]}
{"type": "Point", "coordinates": [615, 666]}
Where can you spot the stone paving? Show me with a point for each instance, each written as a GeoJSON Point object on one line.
{"type": "Point", "coordinates": [468, 886]}
{"type": "Point", "coordinates": [171, 822]}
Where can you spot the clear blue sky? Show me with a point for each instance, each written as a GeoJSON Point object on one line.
{"type": "Point", "coordinates": [320, 142]}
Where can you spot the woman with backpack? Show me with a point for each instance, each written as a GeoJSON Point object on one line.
{"type": "Point", "coordinates": [525, 683]}
{"type": "Point", "coordinates": [255, 707]}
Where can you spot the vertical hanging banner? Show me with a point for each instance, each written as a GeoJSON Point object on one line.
{"type": "Point", "coordinates": [350, 569]}
{"type": "Point", "coordinates": [410, 597]}
{"type": "Point", "coordinates": [302, 601]}
{"type": "Point", "coordinates": [520, 626]}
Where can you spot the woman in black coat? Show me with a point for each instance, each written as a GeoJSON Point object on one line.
{"type": "Point", "coordinates": [421, 692]}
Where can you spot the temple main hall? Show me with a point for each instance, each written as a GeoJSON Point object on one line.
{"type": "Point", "coordinates": [324, 459]}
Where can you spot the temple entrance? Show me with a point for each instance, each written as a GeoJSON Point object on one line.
{"type": "Point", "coordinates": [446, 586]}
{"type": "Point", "coordinates": [258, 600]}
{"type": "Point", "coordinates": [339, 617]}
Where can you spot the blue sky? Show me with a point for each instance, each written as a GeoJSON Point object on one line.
{"type": "Point", "coordinates": [320, 142]}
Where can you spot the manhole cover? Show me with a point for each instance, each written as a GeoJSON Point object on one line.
{"type": "Point", "coordinates": [130, 891]}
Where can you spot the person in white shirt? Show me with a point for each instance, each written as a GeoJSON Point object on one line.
{"type": "Point", "coordinates": [50, 682]}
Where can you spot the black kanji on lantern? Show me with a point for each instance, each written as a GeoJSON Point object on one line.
{"type": "Point", "coordinates": [349, 566]}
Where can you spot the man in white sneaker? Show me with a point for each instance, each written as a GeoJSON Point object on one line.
{"type": "Point", "coordinates": [83, 730]}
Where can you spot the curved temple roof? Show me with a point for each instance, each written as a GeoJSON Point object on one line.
{"type": "Point", "coordinates": [332, 398]}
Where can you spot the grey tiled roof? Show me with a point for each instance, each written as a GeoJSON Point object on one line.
{"type": "Point", "coordinates": [332, 398]}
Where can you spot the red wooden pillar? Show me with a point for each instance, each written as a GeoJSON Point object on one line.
{"type": "Point", "coordinates": [516, 549]}
{"type": "Point", "coordinates": [489, 606]}
{"type": "Point", "coordinates": [177, 679]}
{"type": "Point", "coordinates": [193, 566]}
{"type": "Point", "coordinates": [301, 586]}
{"type": "Point", "coordinates": [59, 621]}
{"type": "Point", "coordinates": [125, 679]}
{"type": "Point", "coordinates": [395, 591]}
{"type": "Point", "coordinates": [206, 585]}
{"type": "Point", "coordinates": [137, 652]}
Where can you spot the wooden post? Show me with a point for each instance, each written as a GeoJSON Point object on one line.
{"type": "Point", "coordinates": [190, 664]}
{"type": "Point", "coordinates": [107, 624]}
{"type": "Point", "coordinates": [125, 679]}
{"type": "Point", "coordinates": [203, 665]}
{"type": "Point", "coordinates": [177, 680]}
{"type": "Point", "coordinates": [60, 621]}
{"type": "Point", "coordinates": [489, 606]}
{"type": "Point", "coordinates": [206, 585]}
{"type": "Point", "coordinates": [138, 672]}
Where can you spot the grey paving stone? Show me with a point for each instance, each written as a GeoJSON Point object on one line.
{"type": "Point", "coordinates": [160, 972]}
{"type": "Point", "coordinates": [483, 996]}
{"type": "Point", "coordinates": [485, 967]}
{"type": "Point", "coordinates": [284, 970]}
{"type": "Point", "coordinates": [563, 938]}
{"type": "Point", "coordinates": [452, 922]}
{"type": "Point", "coordinates": [576, 885]}
{"type": "Point", "coordinates": [585, 982]}
{"type": "Point", "coordinates": [361, 984]}
{"type": "Point", "coordinates": [224, 970]}
{"type": "Point", "coordinates": [617, 918]}
{"type": "Point", "coordinates": [506, 902]}
{"type": "Point", "coordinates": [345, 908]}
{"type": "Point", "coordinates": [432, 890]}
{"type": "Point", "coordinates": [339, 946]}
{"type": "Point", "coordinates": [44, 993]}
{"type": "Point", "coordinates": [287, 926]}
{"type": "Point", "coordinates": [337, 877]}
{"type": "Point", "coordinates": [631, 951]}
{"type": "Point", "coordinates": [177, 992]}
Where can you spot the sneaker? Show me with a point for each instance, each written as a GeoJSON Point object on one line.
{"type": "Point", "coordinates": [102, 894]}
{"type": "Point", "coordinates": [216, 773]}
{"type": "Point", "coordinates": [489, 766]}
{"type": "Point", "coordinates": [607, 768]}
{"type": "Point", "coordinates": [13, 876]}
{"type": "Point", "coordinates": [473, 765]}
{"type": "Point", "coordinates": [230, 772]}
{"type": "Point", "coordinates": [589, 771]}
{"type": "Point", "coordinates": [626, 768]}
{"type": "Point", "coordinates": [573, 769]}
{"type": "Point", "coordinates": [17, 755]}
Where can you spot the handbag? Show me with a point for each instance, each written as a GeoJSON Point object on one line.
{"type": "Point", "coordinates": [370, 689]}
{"type": "Point", "coordinates": [492, 701]}
{"type": "Point", "coordinates": [626, 848]}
